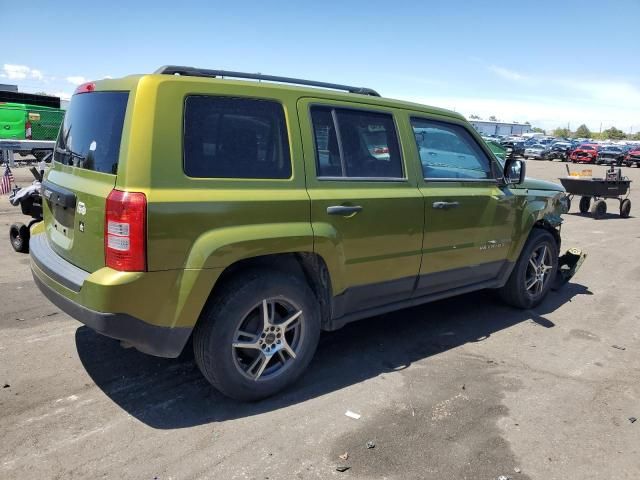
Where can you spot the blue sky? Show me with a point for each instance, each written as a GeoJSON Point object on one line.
{"type": "Point", "coordinates": [550, 63]}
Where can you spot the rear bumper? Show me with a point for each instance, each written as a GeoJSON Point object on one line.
{"type": "Point", "coordinates": [150, 339]}
{"type": "Point", "coordinates": [153, 311]}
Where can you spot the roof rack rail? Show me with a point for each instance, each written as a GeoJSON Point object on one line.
{"type": "Point", "coordinates": [201, 72]}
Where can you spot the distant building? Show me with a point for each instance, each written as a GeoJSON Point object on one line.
{"type": "Point", "coordinates": [500, 128]}
{"type": "Point", "coordinates": [8, 88]}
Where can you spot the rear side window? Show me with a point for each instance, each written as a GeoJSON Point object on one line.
{"type": "Point", "coordinates": [235, 138]}
{"type": "Point", "coordinates": [91, 131]}
{"type": "Point", "coordinates": [355, 144]}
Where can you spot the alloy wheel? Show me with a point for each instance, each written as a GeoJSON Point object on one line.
{"type": "Point", "coordinates": [537, 276]}
{"type": "Point", "coordinates": [268, 339]}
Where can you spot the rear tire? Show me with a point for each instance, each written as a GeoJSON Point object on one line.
{"type": "Point", "coordinates": [239, 352]}
{"type": "Point", "coordinates": [19, 236]}
{"type": "Point", "coordinates": [599, 209]}
{"type": "Point", "coordinates": [519, 291]}
{"type": "Point", "coordinates": [625, 208]}
{"type": "Point", "coordinates": [585, 202]}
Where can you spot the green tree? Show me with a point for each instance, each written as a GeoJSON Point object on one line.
{"type": "Point", "coordinates": [538, 130]}
{"type": "Point", "coordinates": [527, 123]}
{"type": "Point", "coordinates": [614, 134]}
{"type": "Point", "coordinates": [561, 132]}
{"type": "Point", "coordinates": [583, 132]}
{"type": "Point", "coordinates": [635, 136]}
{"type": "Point", "coordinates": [473, 116]}
{"type": "Point", "coordinates": [493, 118]}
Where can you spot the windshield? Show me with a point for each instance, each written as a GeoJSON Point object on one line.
{"type": "Point", "coordinates": [91, 131]}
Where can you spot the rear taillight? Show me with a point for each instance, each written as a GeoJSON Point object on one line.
{"type": "Point", "coordinates": [27, 130]}
{"type": "Point", "coordinates": [125, 227]}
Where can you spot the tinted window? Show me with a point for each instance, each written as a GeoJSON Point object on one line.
{"type": "Point", "coordinates": [91, 131]}
{"type": "Point", "coordinates": [449, 151]}
{"type": "Point", "coordinates": [235, 138]}
{"type": "Point", "coordinates": [353, 143]}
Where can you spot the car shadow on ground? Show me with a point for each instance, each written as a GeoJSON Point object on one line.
{"type": "Point", "coordinates": [171, 393]}
{"type": "Point", "coordinates": [607, 216]}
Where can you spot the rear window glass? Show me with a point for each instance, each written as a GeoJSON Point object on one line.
{"type": "Point", "coordinates": [355, 144]}
{"type": "Point", "coordinates": [235, 138]}
{"type": "Point", "coordinates": [91, 131]}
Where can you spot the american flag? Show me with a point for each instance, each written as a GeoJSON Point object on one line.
{"type": "Point", "coordinates": [5, 182]}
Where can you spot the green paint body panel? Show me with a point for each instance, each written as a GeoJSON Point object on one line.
{"type": "Point", "coordinates": [198, 227]}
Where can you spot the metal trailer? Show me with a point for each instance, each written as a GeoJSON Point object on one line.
{"type": "Point", "coordinates": [9, 147]}
{"type": "Point", "coordinates": [613, 186]}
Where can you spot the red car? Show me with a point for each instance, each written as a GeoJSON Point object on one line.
{"type": "Point", "coordinates": [585, 153]}
{"type": "Point", "coordinates": [633, 156]}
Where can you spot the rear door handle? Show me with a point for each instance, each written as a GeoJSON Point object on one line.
{"type": "Point", "coordinates": [445, 205]}
{"type": "Point", "coordinates": [343, 210]}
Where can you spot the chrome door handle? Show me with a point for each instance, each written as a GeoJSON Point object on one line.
{"type": "Point", "coordinates": [445, 205]}
{"type": "Point", "coordinates": [343, 210]}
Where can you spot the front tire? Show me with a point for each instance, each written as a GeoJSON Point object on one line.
{"type": "Point", "coordinates": [534, 271]}
{"type": "Point", "coordinates": [258, 334]}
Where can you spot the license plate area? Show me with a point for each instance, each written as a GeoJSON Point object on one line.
{"type": "Point", "coordinates": [63, 220]}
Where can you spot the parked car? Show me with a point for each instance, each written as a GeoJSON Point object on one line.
{"type": "Point", "coordinates": [632, 157]}
{"type": "Point", "coordinates": [558, 150]}
{"type": "Point", "coordinates": [610, 155]}
{"type": "Point", "coordinates": [516, 148]}
{"type": "Point", "coordinates": [585, 153]}
{"type": "Point", "coordinates": [250, 215]}
{"type": "Point", "coordinates": [535, 151]}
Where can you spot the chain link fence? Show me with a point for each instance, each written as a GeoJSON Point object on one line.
{"type": "Point", "coordinates": [27, 122]}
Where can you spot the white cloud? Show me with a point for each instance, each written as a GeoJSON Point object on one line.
{"type": "Point", "coordinates": [546, 112]}
{"type": "Point", "coordinates": [20, 72]}
{"type": "Point", "coordinates": [552, 101]}
{"type": "Point", "coordinates": [506, 73]}
{"type": "Point", "coordinates": [76, 80]}
{"type": "Point", "coordinates": [605, 92]}
{"type": "Point", "coordinates": [63, 95]}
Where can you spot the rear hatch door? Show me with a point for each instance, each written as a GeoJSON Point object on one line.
{"type": "Point", "coordinates": [83, 174]}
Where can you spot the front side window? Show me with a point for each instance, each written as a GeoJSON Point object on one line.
{"type": "Point", "coordinates": [449, 151]}
{"type": "Point", "coordinates": [355, 144]}
{"type": "Point", "coordinates": [235, 138]}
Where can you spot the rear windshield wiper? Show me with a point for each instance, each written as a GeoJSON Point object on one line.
{"type": "Point", "coordinates": [70, 153]}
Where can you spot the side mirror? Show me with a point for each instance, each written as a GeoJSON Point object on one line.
{"type": "Point", "coordinates": [514, 172]}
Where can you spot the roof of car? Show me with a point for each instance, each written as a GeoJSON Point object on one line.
{"type": "Point", "coordinates": [130, 82]}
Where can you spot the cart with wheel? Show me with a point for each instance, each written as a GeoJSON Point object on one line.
{"type": "Point", "coordinates": [30, 201]}
{"type": "Point", "coordinates": [597, 190]}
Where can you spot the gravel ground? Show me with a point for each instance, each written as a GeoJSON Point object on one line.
{"type": "Point", "coordinates": [465, 388]}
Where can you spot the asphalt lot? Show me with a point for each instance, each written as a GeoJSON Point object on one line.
{"type": "Point", "coordinates": [465, 388]}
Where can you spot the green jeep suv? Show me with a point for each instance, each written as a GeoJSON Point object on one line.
{"type": "Point", "coordinates": [252, 215]}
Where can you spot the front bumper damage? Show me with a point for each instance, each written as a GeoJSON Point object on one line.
{"type": "Point", "coordinates": [568, 265]}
